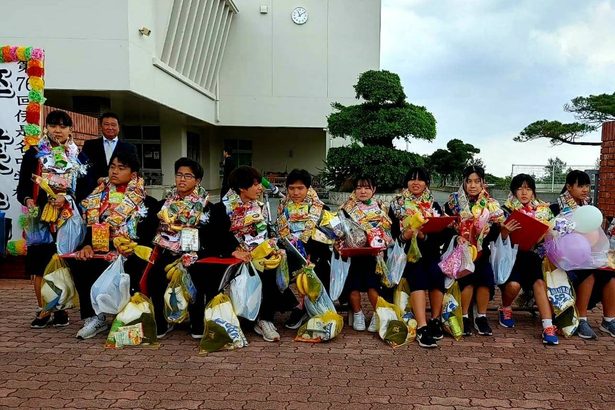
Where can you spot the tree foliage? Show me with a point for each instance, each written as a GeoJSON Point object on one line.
{"type": "Point", "coordinates": [386, 165]}
{"type": "Point", "coordinates": [383, 116]}
{"type": "Point", "coordinates": [591, 112]}
{"type": "Point", "coordinates": [449, 163]}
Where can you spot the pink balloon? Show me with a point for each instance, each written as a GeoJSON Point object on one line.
{"type": "Point", "coordinates": [592, 237]}
{"type": "Point", "coordinates": [574, 249]}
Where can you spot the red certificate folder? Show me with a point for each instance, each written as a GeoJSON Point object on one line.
{"type": "Point", "coordinates": [219, 261]}
{"type": "Point", "coordinates": [531, 232]}
{"type": "Point", "coordinates": [437, 224]}
{"type": "Point", "coordinates": [365, 251]}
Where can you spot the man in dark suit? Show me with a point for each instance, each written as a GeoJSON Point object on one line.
{"type": "Point", "coordinates": [99, 152]}
{"type": "Point", "coordinates": [228, 165]}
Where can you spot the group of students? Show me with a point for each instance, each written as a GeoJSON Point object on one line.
{"type": "Point", "coordinates": [185, 226]}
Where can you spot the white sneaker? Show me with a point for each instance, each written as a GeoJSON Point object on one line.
{"type": "Point", "coordinates": [373, 324]}
{"type": "Point", "coordinates": [92, 326]}
{"type": "Point", "coordinates": [267, 330]}
{"type": "Point", "coordinates": [358, 321]}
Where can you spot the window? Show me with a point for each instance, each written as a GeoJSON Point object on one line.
{"type": "Point", "coordinates": [194, 146]}
{"type": "Point", "coordinates": [242, 151]}
{"type": "Point", "coordinates": [147, 140]}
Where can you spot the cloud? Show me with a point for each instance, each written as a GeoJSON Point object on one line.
{"type": "Point", "coordinates": [486, 69]}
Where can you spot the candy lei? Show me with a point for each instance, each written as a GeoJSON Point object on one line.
{"type": "Point", "coordinates": [535, 208]}
{"type": "Point", "coordinates": [248, 220]}
{"type": "Point", "coordinates": [408, 204]}
{"type": "Point", "coordinates": [568, 204]}
{"type": "Point", "coordinates": [304, 215]}
{"type": "Point", "coordinates": [369, 214]}
{"type": "Point", "coordinates": [121, 210]}
{"type": "Point", "coordinates": [60, 164]}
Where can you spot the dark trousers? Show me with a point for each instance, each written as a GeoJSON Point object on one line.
{"type": "Point", "coordinates": [157, 284]}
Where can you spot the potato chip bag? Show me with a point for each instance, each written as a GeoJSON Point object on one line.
{"type": "Point", "coordinates": [100, 237]}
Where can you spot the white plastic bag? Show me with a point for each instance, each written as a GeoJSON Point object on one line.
{"type": "Point", "coordinates": [72, 232]}
{"type": "Point", "coordinates": [502, 258]}
{"type": "Point", "coordinates": [396, 262]}
{"type": "Point", "coordinates": [246, 292]}
{"type": "Point", "coordinates": [339, 273]}
{"type": "Point", "coordinates": [111, 291]}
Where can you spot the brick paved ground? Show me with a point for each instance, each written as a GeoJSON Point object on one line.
{"type": "Point", "coordinates": [51, 369]}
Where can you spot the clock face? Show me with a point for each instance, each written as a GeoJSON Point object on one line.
{"type": "Point", "coordinates": [299, 15]}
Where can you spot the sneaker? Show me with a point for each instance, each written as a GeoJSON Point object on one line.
{"type": "Point", "coordinates": [373, 324]}
{"type": "Point", "coordinates": [505, 316]}
{"type": "Point", "coordinates": [162, 334]}
{"type": "Point", "coordinates": [481, 324]}
{"type": "Point", "coordinates": [40, 322]}
{"type": "Point", "coordinates": [424, 338]}
{"type": "Point", "coordinates": [60, 319]}
{"type": "Point", "coordinates": [549, 336]}
{"type": "Point", "coordinates": [435, 328]}
{"type": "Point", "coordinates": [467, 326]}
{"type": "Point", "coordinates": [296, 319]}
{"type": "Point", "coordinates": [358, 321]}
{"type": "Point", "coordinates": [608, 327]}
{"type": "Point", "coordinates": [92, 326]}
{"type": "Point", "coordinates": [585, 331]}
{"type": "Point", "coordinates": [267, 330]}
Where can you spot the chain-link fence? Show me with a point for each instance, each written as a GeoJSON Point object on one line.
{"type": "Point", "coordinates": [551, 178]}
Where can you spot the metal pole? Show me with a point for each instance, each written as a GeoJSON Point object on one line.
{"type": "Point", "coordinates": [552, 177]}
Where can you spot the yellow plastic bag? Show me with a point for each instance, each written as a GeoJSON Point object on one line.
{"type": "Point", "coordinates": [321, 328]}
{"type": "Point", "coordinates": [391, 326]}
{"type": "Point", "coordinates": [134, 325]}
{"type": "Point", "coordinates": [58, 289]}
{"type": "Point", "coordinates": [452, 315]}
{"type": "Point", "coordinates": [414, 253]}
{"type": "Point", "coordinates": [176, 298]}
{"type": "Point", "coordinates": [222, 329]}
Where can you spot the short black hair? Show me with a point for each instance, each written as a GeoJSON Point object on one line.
{"type": "Point", "coordinates": [127, 158]}
{"type": "Point", "coordinates": [108, 115]}
{"type": "Point", "coordinates": [364, 179]}
{"type": "Point", "coordinates": [576, 177]}
{"type": "Point", "coordinates": [473, 169]}
{"type": "Point", "coordinates": [518, 181]}
{"type": "Point", "coordinates": [243, 177]}
{"type": "Point", "coordinates": [299, 175]}
{"type": "Point", "coordinates": [419, 173]}
{"type": "Point", "coordinates": [194, 166]}
{"type": "Point", "coordinates": [58, 117]}
{"type": "Point", "coordinates": [228, 150]}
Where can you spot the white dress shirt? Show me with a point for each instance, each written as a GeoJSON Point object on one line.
{"type": "Point", "coordinates": [109, 147]}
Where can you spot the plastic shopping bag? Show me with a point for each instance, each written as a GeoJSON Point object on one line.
{"type": "Point", "coordinates": [396, 262]}
{"type": "Point", "coordinates": [321, 328]}
{"type": "Point", "coordinates": [58, 289]}
{"type": "Point", "coordinates": [246, 292]}
{"type": "Point", "coordinates": [134, 325]}
{"type": "Point", "coordinates": [562, 298]}
{"type": "Point", "coordinates": [502, 258]}
{"type": "Point", "coordinates": [391, 326]}
{"type": "Point", "coordinates": [452, 315]}
{"type": "Point", "coordinates": [282, 276]}
{"type": "Point", "coordinates": [72, 232]}
{"type": "Point", "coordinates": [111, 291]}
{"type": "Point", "coordinates": [222, 330]}
{"type": "Point", "coordinates": [177, 297]}
{"type": "Point", "coordinates": [339, 273]}
{"type": "Point", "coordinates": [401, 299]}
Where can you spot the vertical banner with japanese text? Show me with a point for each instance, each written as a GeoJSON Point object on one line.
{"type": "Point", "coordinates": [21, 96]}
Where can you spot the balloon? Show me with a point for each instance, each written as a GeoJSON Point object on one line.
{"type": "Point", "coordinates": [574, 250]}
{"type": "Point", "coordinates": [592, 237]}
{"type": "Point", "coordinates": [587, 218]}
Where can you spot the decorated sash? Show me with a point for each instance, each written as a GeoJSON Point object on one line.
{"type": "Point", "coordinates": [248, 220]}
{"type": "Point", "coordinates": [299, 221]}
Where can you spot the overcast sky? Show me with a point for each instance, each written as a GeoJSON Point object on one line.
{"type": "Point", "coordinates": [488, 68]}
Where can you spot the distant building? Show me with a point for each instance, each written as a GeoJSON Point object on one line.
{"type": "Point", "coordinates": [189, 77]}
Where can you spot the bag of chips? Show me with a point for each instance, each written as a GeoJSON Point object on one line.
{"type": "Point", "coordinates": [134, 325]}
{"type": "Point", "coordinates": [58, 289]}
{"type": "Point", "coordinates": [100, 237]}
{"type": "Point", "coordinates": [222, 330]}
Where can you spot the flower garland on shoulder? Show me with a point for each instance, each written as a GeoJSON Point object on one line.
{"type": "Point", "coordinates": [178, 213]}
{"type": "Point", "coordinates": [248, 220]}
{"type": "Point", "coordinates": [536, 208]}
{"type": "Point", "coordinates": [305, 216]}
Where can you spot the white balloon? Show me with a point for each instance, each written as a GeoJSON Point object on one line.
{"type": "Point", "coordinates": [587, 218]}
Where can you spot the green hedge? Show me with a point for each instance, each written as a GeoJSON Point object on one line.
{"type": "Point", "coordinates": [387, 165]}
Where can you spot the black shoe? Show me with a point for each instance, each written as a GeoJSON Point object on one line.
{"type": "Point", "coordinates": [481, 324]}
{"type": "Point", "coordinates": [41, 322]}
{"type": "Point", "coordinates": [296, 319]}
{"type": "Point", "coordinates": [435, 328]}
{"type": "Point", "coordinates": [467, 326]}
{"type": "Point", "coordinates": [424, 338]}
{"type": "Point", "coordinates": [60, 319]}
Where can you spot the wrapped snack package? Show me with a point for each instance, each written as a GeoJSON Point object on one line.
{"type": "Point", "coordinates": [100, 237]}
{"type": "Point", "coordinates": [222, 330]}
{"type": "Point", "coordinates": [452, 321]}
{"type": "Point", "coordinates": [331, 225]}
{"type": "Point", "coordinates": [562, 298]}
{"type": "Point", "coordinates": [321, 328]}
{"type": "Point", "coordinates": [177, 298]}
{"type": "Point", "coordinates": [354, 235]}
{"type": "Point", "coordinates": [134, 325]}
{"type": "Point", "coordinates": [391, 326]}
{"type": "Point", "coordinates": [58, 289]}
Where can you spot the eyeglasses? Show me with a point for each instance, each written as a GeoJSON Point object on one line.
{"type": "Point", "coordinates": [184, 176]}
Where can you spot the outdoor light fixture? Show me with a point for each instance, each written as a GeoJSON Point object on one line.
{"type": "Point", "coordinates": [144, 31]}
